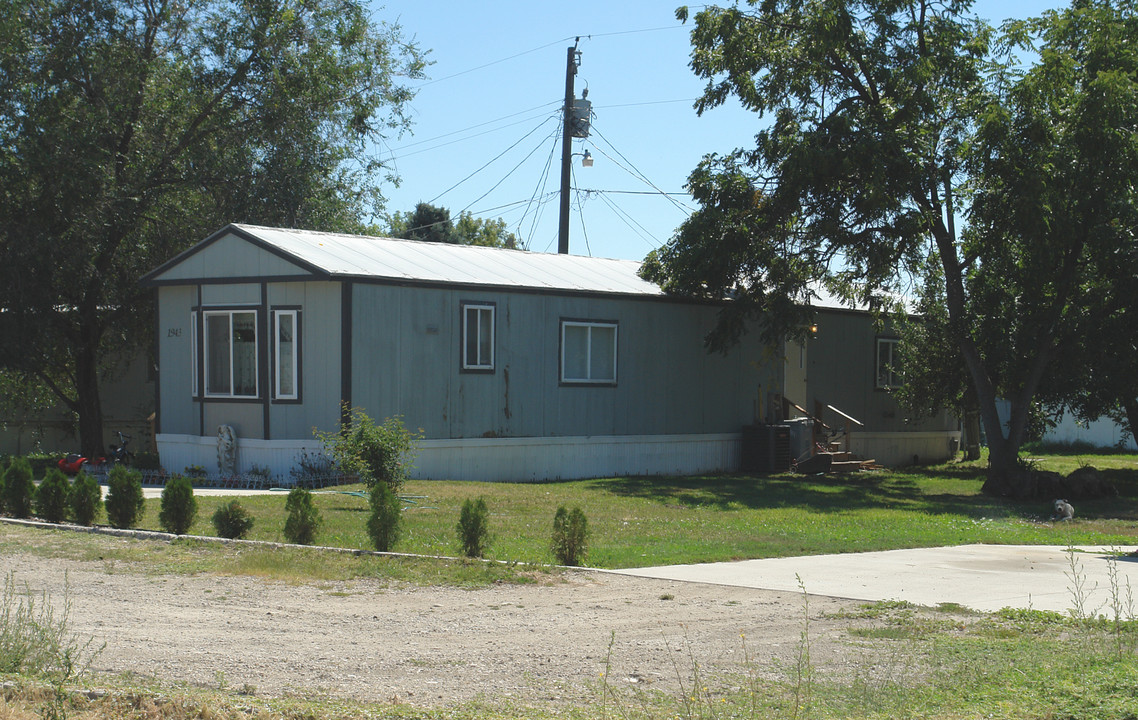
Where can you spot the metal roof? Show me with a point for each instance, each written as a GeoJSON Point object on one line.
{"type": "Point", "coordinates": [337, 255]}
{"type": "Point", "coordinates": [416, 261]}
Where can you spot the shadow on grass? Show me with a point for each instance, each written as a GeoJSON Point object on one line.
{"type": "Point", "coordinates": [952, 489]}
{"type": "Point", "coordinates": [819, 493]}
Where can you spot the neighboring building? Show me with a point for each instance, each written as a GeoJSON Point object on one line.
{"type": "Point", "coordinates": [516, 365]}
{"type": "Point", "coordinates": [127, 398]}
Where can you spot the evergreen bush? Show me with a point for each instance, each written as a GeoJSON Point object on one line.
{"type": "Point", "coordinates": [473, 528]}
{"type": "Point", "coordinates": [570, 536]}
{"type": "Point", "coordinates": [51, 496]}
{"type": "Point", "coordinates": [232, 521]}
{"type": "Point", "coordinates": [385, 524]}
{"type": "Point", "coordinates": [124, 501]}
{"type": "Point", "coordinates": [303, 518]}
{"type": "Point", "coordinates": [85, 499]}
{"type": "Point", "coordinates": [19, 489]}
{"type": "Point", "coordinates": [179, 507]}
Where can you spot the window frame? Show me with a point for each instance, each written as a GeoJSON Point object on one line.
{"type": "Point", "coordinates": [205, 354]}
{"type": "Point", "coordinates": [275, 344]}
{"type": "Point", "coordinates": [195, 357]}
{"type": "Point", "coordinates": [894, 380]}
{"type": "Point", "coordinates": [589, 380]}
{"type": "Point", "coordinates": [479, 308]}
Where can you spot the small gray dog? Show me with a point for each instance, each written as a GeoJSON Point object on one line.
{"type": "Point", "coordinates": [1063, 511]}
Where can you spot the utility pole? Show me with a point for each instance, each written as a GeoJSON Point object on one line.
{"type": "Point", "coordinates": [566, 149]}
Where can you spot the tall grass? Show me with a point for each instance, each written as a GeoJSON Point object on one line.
{"type": "Point", "coordinates": [34, 637]}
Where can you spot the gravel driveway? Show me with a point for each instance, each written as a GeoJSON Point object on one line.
{"type": "Point", "coordinates": [427, 646]}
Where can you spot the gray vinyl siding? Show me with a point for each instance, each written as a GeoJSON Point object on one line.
{"type": "Point", "coordinates": [319, 405]}
{"type": "Point", "coordinates": [220, 258]}
{"type": "Point", "coordinates": [319, 361]}
{"type": "Point", "coordinates": [178, 413]}
{"type": "Point", "coordinates": [842, 371]}
{"type": "Point", "coordinates": [231, 294]}
{"type": "Point", "coordinates": [407, 356]}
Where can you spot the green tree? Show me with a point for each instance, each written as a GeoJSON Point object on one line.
{"type": "Point", "coordinates": [130, 130]}
{"type": "Point", "coordinates": [433, 223]}
{"type": "Point", "coordinates": [488, 233]}
{"type": "Point", "coordinates": [427, 222]}
{"type": "Point", "coordinates": [85, 499]}
{"type": "Point", "coordinates": [179, 506]}
{"type": "Point", "coordinates": [303, 519]}
{"type": "Point", "coordinates": [51, 496]}
{"type": "Point", "coordinates": [890, 120]}
{"type": "Point", "coordinates": [19, 488]}
{"type": "Point", "coordinates": [384, 525]}
{"type": "Point", "coordinates": [474, 528]}
{"type": "Point", "coordinates": [124, 502]}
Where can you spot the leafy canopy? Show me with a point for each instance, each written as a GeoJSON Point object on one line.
{"type": "Point", "coordinates": [886, 122]}
{"type": "Point", "coordinates": [129, 130]}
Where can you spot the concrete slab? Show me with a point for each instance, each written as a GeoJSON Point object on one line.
{"type": "Point", "coordinates": [981, 577]}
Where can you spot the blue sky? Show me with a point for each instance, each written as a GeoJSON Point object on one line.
{"type": "Point", "coordinates": [486, 135]}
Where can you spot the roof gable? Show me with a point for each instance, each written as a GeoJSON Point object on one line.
{"type": "Point", "coordinates": [231, 255]}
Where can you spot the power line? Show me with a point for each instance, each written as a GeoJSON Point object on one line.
{"type": "Point", "coordinates": [636, 172]}
{"type": "Point", "coordinates": [542, 47]}
{"type": "Point", "coordinates": [523, 137]}
{"type": "Point", "coordinates": [507, 175]}
{"type": "Point", "coordinates": [462, 139]}
{"type": "Point", "coordinates": [396, 150]}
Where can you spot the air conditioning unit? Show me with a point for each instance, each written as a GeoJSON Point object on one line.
{"type": "Point", "coordinates": [766, 448]}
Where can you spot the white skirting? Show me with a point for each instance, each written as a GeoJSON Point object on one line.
{"type": "Point", "coordinates": [491, 459]}
{"type": "Point", "coordinates": [897, 449]}
{"type": "Point", "coordinates": [574, 458]}
{"type": "Point", "coordinates": [554, 458]}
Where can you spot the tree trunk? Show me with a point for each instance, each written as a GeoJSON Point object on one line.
{"type": "Point", "coordinates": [89, 405]}
{"type": "Point", "coordinates": [971, 425]}
{"type": "Point", "coordinates": [1131, 408]}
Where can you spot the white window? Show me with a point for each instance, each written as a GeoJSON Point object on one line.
{"type": "Point", "coordinates": [286, 335]}
{"type": "Point", "coordinates": [230, 353]}
{"type": "Point", "coordinates": [194, 354]}
{"type": "Point", "coordinates": [477, 337]}
{"type": "Point", "coordinates": [588, 352]}
{"type": "Point", "coordinates": [888, 363]}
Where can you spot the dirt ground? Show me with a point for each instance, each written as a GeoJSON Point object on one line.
{"type": "Point", "coordinates": [428, 646]}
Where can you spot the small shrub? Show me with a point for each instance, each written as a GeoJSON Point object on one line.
{"type": "Point", "coordinates": [85, 499]}
{"type": "Point", "coordinates": [313, 470]}
{"type": "Point", "coordinates": [179, 507]}
{"type": "Point", "coordinates": [19, 489]}
{"type": "Point", "coordinates": [147, 461]}
{"type": "Point", "coordinates": [385, 524]}
{"type": "Point", "coordinates": [377, 453]}
{"type": "Point", "coordinates": [303, 518]}
{"type": "Point", "coordinates": [51, 496]}
{"type": "Point", "coordinates": [570, 536]}
{"type": "Point", "coordinates": [124, 501]}
{"type": "Point", "coordinates": [473, 528]}
{"type": "Point", "coordinates": [232, 521]}
{"type": "Point", "coordinates": [195, 471]}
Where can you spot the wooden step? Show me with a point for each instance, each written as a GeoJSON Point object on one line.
{"type": "Point", "coordinates": [853, 465]}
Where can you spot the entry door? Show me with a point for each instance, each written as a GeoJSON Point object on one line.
{"type": "Point", "coordinates": [794, 376]}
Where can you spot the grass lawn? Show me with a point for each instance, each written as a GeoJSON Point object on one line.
{"type": "Point", "coordinates": [641, 521]}
{"type": "Point", "coordinates": [909, 663]}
